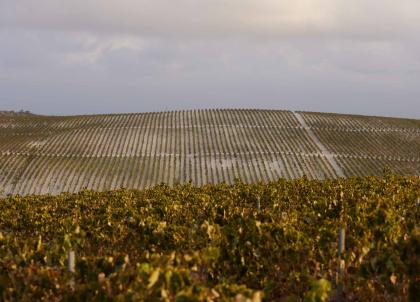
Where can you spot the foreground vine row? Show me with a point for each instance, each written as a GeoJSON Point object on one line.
{"type": "Point", "coordinates": [275, 241]}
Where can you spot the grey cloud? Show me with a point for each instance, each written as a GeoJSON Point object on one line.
{"type": "Point", "coordinates": [74, 57]}
{"type": "Point", "coordinates": [215, 18]}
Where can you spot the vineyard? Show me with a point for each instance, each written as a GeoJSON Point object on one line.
{"type": "Point", "coordinates": [242, 242]}
{"type": "Point", "coordinates": [53, 154]}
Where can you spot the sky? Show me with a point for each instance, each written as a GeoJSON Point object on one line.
{"type": "Point", "coordinates": [101, 56]}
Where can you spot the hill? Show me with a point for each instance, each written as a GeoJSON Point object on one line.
{"type": "Point", "coordinates": [51, 154]}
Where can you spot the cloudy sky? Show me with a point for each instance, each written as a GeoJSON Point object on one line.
{"type": "Point", "coordinates": [96, 56]}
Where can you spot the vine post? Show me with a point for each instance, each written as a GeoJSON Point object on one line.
{"type": "Point", "coordinates": [258, 205]}
{"type": "Point", "coordinates": [341, 264]}
{"type": "Point", "coordinates": [71, 267]}
{"type": "Point", "coordinates": [341, 250]}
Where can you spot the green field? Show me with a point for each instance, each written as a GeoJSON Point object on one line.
{"type": "Point", "coordinates": [241, 242]}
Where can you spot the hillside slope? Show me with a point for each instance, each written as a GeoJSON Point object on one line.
{"type": "Point", "coordinates": [49, 154]}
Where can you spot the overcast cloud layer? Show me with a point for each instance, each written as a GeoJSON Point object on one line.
{"type": "Point", "coordinates": [95, 56]}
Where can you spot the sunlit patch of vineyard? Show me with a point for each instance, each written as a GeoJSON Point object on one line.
{"type": "Point", "coordinates": [241, 242]}
{"type": "Point", "coordinates": [52, 154]}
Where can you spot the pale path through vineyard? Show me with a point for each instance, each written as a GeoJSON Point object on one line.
{"type": "Point", "coordinates": [324, 150]}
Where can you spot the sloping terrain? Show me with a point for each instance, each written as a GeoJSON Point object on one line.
{"type": "Point", "coordinates": [49, 154]}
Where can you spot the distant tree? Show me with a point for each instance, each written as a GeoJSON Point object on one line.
{"type": "Point", "coordinates": [15, 113]}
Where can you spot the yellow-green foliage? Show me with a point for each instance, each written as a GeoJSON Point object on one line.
{"type": "Point", "coordinates": [213, 244]}
{"type": "Point", "coordinates": [319, 292]}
